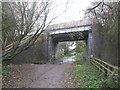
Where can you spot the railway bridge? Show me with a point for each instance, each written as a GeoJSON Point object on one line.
{"type": "Point", "coordinates": [45, 46]}
{"type": "Point", "coordinates": [64, 33]}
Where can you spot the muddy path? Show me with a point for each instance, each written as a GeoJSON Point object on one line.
{"type": "Point", "coordinates": [38, 76]}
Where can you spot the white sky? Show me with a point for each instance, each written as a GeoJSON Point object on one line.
{"type": "Point", "coordinates": [72, 47]}
{"type": "Point", "coordinates": [75, 10]}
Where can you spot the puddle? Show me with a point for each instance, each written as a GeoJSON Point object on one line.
{"type": "Point", "coordinates": [69, 60]}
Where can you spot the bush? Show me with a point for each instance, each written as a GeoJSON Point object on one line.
{"type": "Point", "coordinates": [6, 69]}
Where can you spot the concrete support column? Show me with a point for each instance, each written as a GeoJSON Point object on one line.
{"type": "Point", "coordinates": [51, 48]}
{"type": "Point", "coordinates": [94, 41]}
{"type": "Point", "coordinates": [90, 44]}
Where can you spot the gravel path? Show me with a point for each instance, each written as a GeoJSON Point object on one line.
{"type": "Point", "coordinates": [37, 76]}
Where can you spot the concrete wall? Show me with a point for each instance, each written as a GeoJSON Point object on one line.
{"type": "Point", "coordinates": [110, 48]}
{"type": "Point", "coordinates": [52, 45]}
{"type": "Point", "coordinates": [38, 52]}
{"type": "Point", "coordinates": [95, 41]}
{"type": "Point", "coordinates": [101, 46]}
{"type": "Point", "coordinates": [43, 50]}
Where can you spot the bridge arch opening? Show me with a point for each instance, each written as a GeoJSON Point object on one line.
{"type": "Point", "coordinates": [75, 49]}
{"type": "Point", "coordinates": [66, 34]}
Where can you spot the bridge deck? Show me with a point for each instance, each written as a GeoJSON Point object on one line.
{"type": "Point", "coordinates": [70, 30]}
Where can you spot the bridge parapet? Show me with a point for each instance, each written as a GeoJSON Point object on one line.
{"type": "Point", "coordinates": [70, 30]}
{"type": "Point", "coordinates": [73, 24]}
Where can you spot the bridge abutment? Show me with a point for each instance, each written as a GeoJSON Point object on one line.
{"type": "Point", "coordinates": [95, 41]}
{"type": "Point", "coordinates": [51, 48]}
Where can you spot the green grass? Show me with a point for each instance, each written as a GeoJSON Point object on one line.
{"type": "Point", "coordinates": [65, 57]}
{"type": "Point", "coordinates": [90, 77]}
{"type": "Point", "coordinates": [77, 58]}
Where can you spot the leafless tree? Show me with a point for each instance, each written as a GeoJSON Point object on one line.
{"type": "Point", "coordinates": [23, 20]}
{"type": "Point", "coordinates": [103, 12]}
{"type": "Point", "coordinates": [23, 23]}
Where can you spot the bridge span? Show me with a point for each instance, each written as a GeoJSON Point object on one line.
{"type": "Point", "coordinates": [45, 46]}
{"type": "Point", "coordinates": [66, 32]}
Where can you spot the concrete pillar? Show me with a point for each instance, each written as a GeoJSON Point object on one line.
{"type": "Point", "coordinates": [94, 41]}
{"type": "Point", "coordinates": [51, 48]}
{"type": "Point", "coordinates": [90, 44]}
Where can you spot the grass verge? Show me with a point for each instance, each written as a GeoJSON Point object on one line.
{"type": "Point", "coordinates": [89, 77]}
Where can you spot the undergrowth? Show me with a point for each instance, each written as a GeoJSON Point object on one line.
{"type": "Point", "coordinates": [6, 69]}
{"type": "Point", "coordinates": [89, 77]}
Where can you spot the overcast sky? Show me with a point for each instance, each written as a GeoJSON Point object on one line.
{"type": "Point", "coordinates": [74, 10]}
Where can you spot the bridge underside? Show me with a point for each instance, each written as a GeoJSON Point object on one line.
{"type": "Point", "coordinates": [71, 36]}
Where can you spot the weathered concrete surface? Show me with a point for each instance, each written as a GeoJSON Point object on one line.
{"type": "Point", "coordinates": [109, 49]}
{"type": "Point", "coordinates": [37, 53]}
{"type": "Point", "coordinates": [95, 41]}
{"type": "Point", "coordinates": [101, 46]}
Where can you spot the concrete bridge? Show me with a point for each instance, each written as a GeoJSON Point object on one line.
{"type": "Point", "coordinates": [73, 32]}
{"type": "Point", "coordinates": [45, 46]}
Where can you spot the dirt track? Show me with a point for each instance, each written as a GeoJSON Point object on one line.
{"type": "Point", "coordinates": [37, 76]}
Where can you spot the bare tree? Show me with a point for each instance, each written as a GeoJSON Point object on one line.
{"type": "Point", "coordinates": [23, 23]}
{"type": "Point", "coordinates": [103, 12]}
{"type": "Point", "coordinates": [23, 20]}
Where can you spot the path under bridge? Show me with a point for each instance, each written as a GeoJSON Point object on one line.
{"type": "Point", "coordinates": [59, 33]}
{"type": "Point", "coordinates": [45, 47]}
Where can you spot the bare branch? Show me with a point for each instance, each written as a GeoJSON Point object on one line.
{"type": "Point", "coordinates": [95, 6]}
